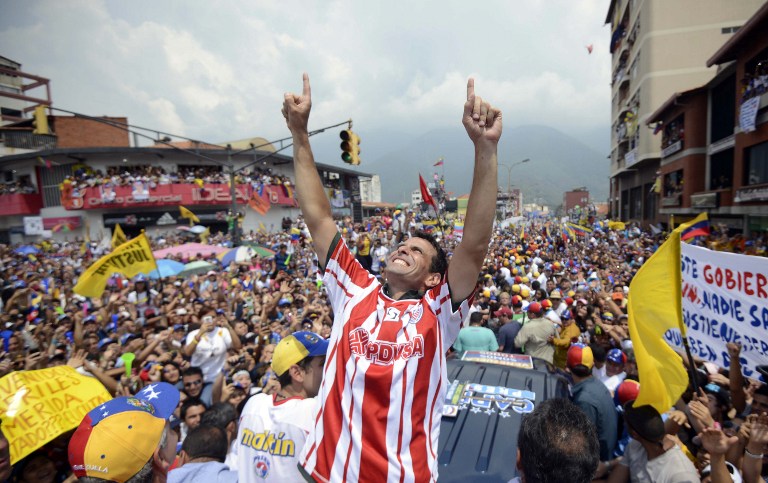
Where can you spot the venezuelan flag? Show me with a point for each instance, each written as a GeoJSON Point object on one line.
{"type": "Point", "coordinates": [699, 226]}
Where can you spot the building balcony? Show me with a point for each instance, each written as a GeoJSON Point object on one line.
{"type": "Point", "coordinates": [673, 199]}
{"type": "Point", "coordinates": [708, 199]}
{"type": "Point", "coordinates": [752, 194]}
{"type": "Point", "coordinates": [25, 139]}
{"type": "Point", "coordinates": [20, 204]}
{"type": "Point", "coordinates": [139, 196]}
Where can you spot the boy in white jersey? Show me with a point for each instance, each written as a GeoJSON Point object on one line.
{"type": "Point", "coordinates": [385, 378]}
{"type": "Point", "coordinates": [273, 428]}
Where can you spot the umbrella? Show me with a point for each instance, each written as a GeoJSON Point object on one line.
{"type": "Point", "coordinates": [198, 229]}
{"type": "Point", "coordinates": [195, 268]}
{"type": "Point", "coordinates": [261, 251]}
{"type": "Point", "coordinates": [188, 250]}
{"type": "Point", "coordinates": [239, 254]}
{"type": "Point", "coordinates": [27, 250]}
{"type": "Point", "coordinates": [166, 268]}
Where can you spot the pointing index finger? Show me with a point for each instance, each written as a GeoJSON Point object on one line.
{"type": "Point", "coordinates": [470, 88]}
{"type": "Point", "coordinates": [307, 90]}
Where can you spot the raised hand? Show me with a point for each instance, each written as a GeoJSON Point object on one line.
{"type": "Point", "coordinates": [715, 441]}
{"type": "Point", "coordinates": [296, 108]}
{"type": "Point", "coordinates": [759, 431]}
{"type": "Point", "coordinates": [481, 120]}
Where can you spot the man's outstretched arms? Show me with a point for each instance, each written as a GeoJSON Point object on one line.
{"type": "Point", "coordinates": [483, 124]}
{"type": "Point", "coordinates": [309, 188]}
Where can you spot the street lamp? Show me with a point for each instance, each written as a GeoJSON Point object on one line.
{"type": "Point", "coordinates": [509, 174]}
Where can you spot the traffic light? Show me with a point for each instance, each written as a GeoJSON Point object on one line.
{"type": "Point", "coordinates": [40, 121]}
{"type": "Point", "coordinates": [350, 147]}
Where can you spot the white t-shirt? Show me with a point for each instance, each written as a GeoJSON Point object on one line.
{"type": "Point", "coordinates": [612, 382]}
{"type": "Point", "coordinates": [211, 352]}
{"type": "Point", "coordinates": [671, 467]}
{"type": "Point", "coordinates": [270, 437]}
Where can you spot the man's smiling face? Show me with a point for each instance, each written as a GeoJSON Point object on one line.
{"type": "Point", "coordinates": [410, 262]}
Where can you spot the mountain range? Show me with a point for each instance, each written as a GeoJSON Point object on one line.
{"type": "Point", "coordinates": [558, 162]}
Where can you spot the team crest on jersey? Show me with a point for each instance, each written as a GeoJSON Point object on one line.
{"type": "Point", "coordinates": [261, 466]}
{"type": "Point", "coordinates": [415, 313]}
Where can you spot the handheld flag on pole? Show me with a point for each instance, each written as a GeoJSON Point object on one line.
{"type": "Point", "coordinates": [185, 213]}
{"type": "Point", "coordinates": [699, 226]}
{"type": "Point", "coordinates": [655, 306]}
{"type": "Point", "coordinates": [129, 259]}
{"type": "Point", "coordinates": [439, 162]}
{"type": "Point", "coordinates": [118, 237]}
{"type": "Point", "coordinates": [425, 194]}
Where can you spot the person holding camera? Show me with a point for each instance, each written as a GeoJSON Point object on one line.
{"type": "Point", "coordinates": [207, 346]}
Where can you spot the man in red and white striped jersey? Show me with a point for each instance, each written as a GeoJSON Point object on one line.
{"type": "Point", "coordinates": [385, 377]}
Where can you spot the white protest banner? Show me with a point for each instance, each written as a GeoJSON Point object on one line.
{"type": "Point", "coordinates": [748, 114]}
{"type": "Point", "coordinates": [725, 299]}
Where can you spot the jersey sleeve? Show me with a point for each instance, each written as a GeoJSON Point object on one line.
{"type": "Point", "coordinates": [343, 276]}
{"type": "Point", "coordinates": [449, 315]}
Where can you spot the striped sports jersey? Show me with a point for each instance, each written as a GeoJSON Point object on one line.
{"type": "Point", "coordinates": [384, 379]}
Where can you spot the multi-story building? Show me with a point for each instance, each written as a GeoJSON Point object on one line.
{"type": "Point", "coordinates": [578, 197]}
{"type": "Point", "coordinates": [658, 48]}
{"type": "Point", "coordinates": [714, 138]}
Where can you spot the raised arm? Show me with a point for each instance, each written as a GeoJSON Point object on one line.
{"type": "Point", "coordinates": [309, 189]}
{"type": "Point", "coordinates": [483, 125]}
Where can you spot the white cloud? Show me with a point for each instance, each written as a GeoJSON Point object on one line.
{"type": "Point", "coordinates": [217, 70]}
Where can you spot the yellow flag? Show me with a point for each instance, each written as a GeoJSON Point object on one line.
{"type": "Point", "coordinates": [616, 225]}
{"type": "Point", "coordinates": [118, 237]}
{"type": "Point", "coordinates": [185, 213]}
{"type": "Point", "coordinates": [129, 259]}
{"type": "Point", "coordinates": [655, 306]}
{"type": "Point", "coordinates": [47, 403]}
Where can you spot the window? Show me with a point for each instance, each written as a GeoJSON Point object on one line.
{"type": "Point", "coordinates": [757, 164]}
{"type": "Point", "coordinates": [673, 183]}
{"type": "Point", "coordinates": [730, 30]}
{"type": "Point", "coordinates": [723, 109]}
{"type": "Point", "coordinates": [649, 203]}
{"type": "Point", "coordinates": [721, 170]}
{"type": "Point", "coordinates": [674, 131]}
{"type": "Point", "coordinates": [636, 203]}
{"type": "Point", "coordinates": [5, 111]}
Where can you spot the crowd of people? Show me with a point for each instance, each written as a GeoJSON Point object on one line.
{"type": "Point", "coordinates": [241, 365]}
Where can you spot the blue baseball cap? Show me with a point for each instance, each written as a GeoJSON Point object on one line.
{"type": "Point", "coordinates": [295, 348]}
{"type": "Point", "coordinates": [616, 356]}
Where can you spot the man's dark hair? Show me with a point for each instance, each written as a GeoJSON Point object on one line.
{"type": "Point", "coordinates": [440, 261]}
{"type": "Point", "coordinates": [219, 415]}
{"type": "Point", "coordinates": [190, 402]}
{"type": "Point", "coordinates": [476, 318]}
{"type": "Point", "coordinates": [285, 378]}
{"type": "Point", "coordinates": [558, 442]}
{"type": "Point", "coordinates": [192, 371]}
{"type": "Point", "coordinates": [206, 441]}
{"type": "Point", "coordinates": [598, 352]}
